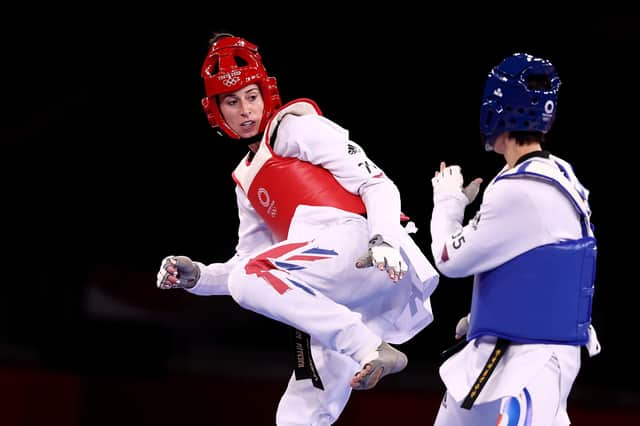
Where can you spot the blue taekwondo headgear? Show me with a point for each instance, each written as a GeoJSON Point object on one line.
{"type": "Point", "coordinates": [507, 103]}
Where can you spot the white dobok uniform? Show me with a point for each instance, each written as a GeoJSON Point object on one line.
{"type": "Point", "coordinates": [532, 381]}
{"type": "Point", "coordinates": [297, 248]}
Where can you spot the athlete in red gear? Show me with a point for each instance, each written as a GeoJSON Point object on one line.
{"type": "Point", "coordinates": [315, 214]}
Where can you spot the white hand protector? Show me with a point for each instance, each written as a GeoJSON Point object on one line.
{"type": "Point", "coordinates": [472, 190]}
{"type": "Point", "coordinates": [177, 272]}
{"type": "Point", "coordinates": [449, 180]}
{"type": "Point", "coordinates": [593, 345]}
{"type": "Point", "coordinates": [462, 327]}
{"type": "Point", "coordinates": [384, 257]}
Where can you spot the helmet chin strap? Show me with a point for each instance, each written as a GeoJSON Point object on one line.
{"type": "Point", "coordinates": [252, 139]}
{"type": "Point", "coordinates": [246, 141]}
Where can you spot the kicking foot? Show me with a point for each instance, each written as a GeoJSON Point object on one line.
{"type": "Point", "coordinates": [383, 361]}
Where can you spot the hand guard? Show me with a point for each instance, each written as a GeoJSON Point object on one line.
{"type": "Point", "coordinates": [593, 345]}
{"type": "Point", "coordinates": [385, 258]}
{"type": "Point", "coordinates": [177, 272]}
{"type": "Point", "coordinates": [472, 190]}
{"type": "Point", "coordinates": [462, 327]}
{"type": "Point", "coordinates": [449, 180]}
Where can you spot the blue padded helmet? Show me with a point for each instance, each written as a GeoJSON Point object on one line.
{"type": "Point", "coordinates": [509, 105]}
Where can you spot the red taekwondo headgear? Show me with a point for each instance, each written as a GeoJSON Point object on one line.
{"type": "Point", "coordinates": [231, 64]}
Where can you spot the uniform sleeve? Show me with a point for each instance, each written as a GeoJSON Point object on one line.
{"type": "Point", "coordinates": [214, 278]}
{"type": "Point", "coordinates": [507, 224]}
{"type": "Point", "coordinates": [253, 234]}
{"type": "Point", "coordinates": [319, 141]}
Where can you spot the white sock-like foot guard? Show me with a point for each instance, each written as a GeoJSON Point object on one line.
{"type": "Point", "coordinates": [383, 361]}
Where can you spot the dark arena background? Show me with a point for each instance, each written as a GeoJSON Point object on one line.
{"type": "Point", "coordinates": [109, 165]}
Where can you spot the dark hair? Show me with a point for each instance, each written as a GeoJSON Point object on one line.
{"type": "Point", "coordinates": [526, 138]}
{"type": "Point", "coordinates": [217, 36]}
{"type": "Point", "coordinates": [538, 82]}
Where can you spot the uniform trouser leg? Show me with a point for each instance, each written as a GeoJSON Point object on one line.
{"type": "Point", "coordinates": [304, 404]}
{"type": "Point", "coordinates": [538, 404]}
{"type": "Point", "coordinates": [275, 294]}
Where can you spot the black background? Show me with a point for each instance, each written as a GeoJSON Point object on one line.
{"type": "Point", "coordinates": [109, 165]}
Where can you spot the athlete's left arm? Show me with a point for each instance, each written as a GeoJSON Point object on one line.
{"type": "Point", "coordinates": [322, 142]}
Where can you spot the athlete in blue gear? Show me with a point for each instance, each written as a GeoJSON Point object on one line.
{"type": "Point", "coordinates": [532, 252]}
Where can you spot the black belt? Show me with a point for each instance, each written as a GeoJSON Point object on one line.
{"type": "Point", "coordinates": [453, 349]}
{"type": "Point", "coordinates": [498, 352]}
{"type": "Point", "coordinates": [304, 365]}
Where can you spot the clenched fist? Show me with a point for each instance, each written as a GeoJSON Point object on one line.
{"type": "Point", "coordinates": [177, 272]}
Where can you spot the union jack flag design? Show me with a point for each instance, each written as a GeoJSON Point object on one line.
{"type": "Point", "coordinates": [287, 257]}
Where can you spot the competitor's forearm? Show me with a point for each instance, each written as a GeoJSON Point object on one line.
{"type": "Point", "coordinates": [448, 236]}
{"type": "Point", "coordinates": [214, 278]}
{"type": "Point", "coordinates": [382, 200]}
{"type": "Point", "coordinates": [446, 220]}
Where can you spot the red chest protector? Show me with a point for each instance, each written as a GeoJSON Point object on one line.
{"type": "Point", "coordinates": [277, 185]}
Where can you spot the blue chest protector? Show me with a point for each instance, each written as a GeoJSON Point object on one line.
{"type": "Point", "coordinates": [544, 295]}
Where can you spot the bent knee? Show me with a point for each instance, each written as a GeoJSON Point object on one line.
{"type": "Point", "coordinates": [238, 283]}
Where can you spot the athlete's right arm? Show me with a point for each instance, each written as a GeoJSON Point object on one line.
{"type": "Point", "coordinates": [505, 226]}
{"type": "Point", "coordinates": [195, 277]}
{"type": "Point", "coordinates": [212, 279]}
{"type": "Point", "coordinates": [253, 234]}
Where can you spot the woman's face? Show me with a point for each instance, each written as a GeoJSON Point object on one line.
{"type": "Point", "coordinates": [242, 110]}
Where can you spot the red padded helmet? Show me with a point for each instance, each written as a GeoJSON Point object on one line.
{"type": "Point", "coordinates": [231, 64]}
